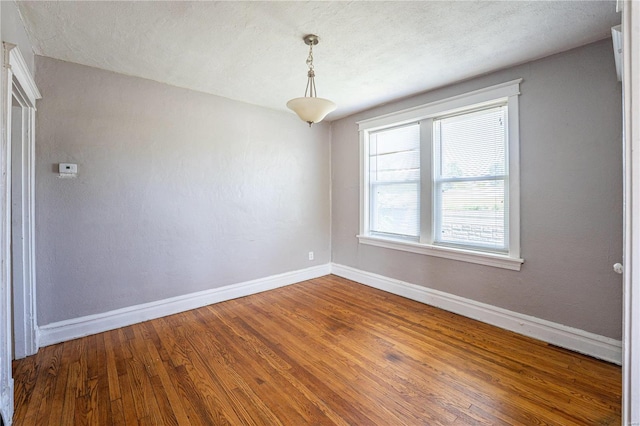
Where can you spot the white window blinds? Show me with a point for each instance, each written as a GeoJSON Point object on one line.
{"type": "Point", "coordinates": [394, 181]}
{"type": "Point", "coordinates": [471, 179]}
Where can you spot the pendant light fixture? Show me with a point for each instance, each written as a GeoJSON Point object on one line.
{"type": "Point", "coordinates": [311, 108]}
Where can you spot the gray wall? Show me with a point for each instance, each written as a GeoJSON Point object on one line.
{"type": "Point", "coordinates": [13, 31]}
{"type": "Point", "coordinates": [180, 191]}
{"type": "Point", "coordinates": [177, 191]}
{"type": "Point", "coordinates": [571, 197]}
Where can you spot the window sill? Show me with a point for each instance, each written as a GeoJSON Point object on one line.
{"type": "Point", "coordinates": [487, 259]}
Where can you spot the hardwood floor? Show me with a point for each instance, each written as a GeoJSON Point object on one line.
{"type": "Point", "coordinates": [325, 351]}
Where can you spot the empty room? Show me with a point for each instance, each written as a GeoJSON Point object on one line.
{"type": "Point", "coordinates": [328, 213]}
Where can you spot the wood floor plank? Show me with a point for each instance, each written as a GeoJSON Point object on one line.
{"type": "Point", "coordinates": [52, 413]}
{"type": "Point", "coordinates": [100, 399]}
{"type": "Point", "coordinates": [164, 385]}
{"type": "Point", "coordinates": [112, 370]}
{"type": "Point", "coordinates": [128, 400]}
{"type": "Point", "coordinates": [67, 414]}
{"type": "Point", "coordinates": [326, 351]}
{"type": "Point", "coordinates": [48, 370]}
{"type": "Point", "coordinates": [117, 413]}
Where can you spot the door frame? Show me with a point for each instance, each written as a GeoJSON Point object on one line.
{"type": "Point", "coordinates": [22, 216]}
{"type": "Point", "coordinates": [16, 82]}
{"type": "Point", "coordinates": [631, 292]}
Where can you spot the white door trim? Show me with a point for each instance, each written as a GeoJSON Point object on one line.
{"type": "Point", "coordinates": [22, 214]}
{"type": "Point", "coordinates": [20, 72]}
{"type": "Point", "coordinates": [631, 316]}
{"type": "Point", "coordinates": [22, 88]}
{"type": "Point", "coordinates": [6, 379]}
{"type": "Point", "coordinates": [16, 82]}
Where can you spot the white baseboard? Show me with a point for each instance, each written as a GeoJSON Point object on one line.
{"type": "Point", "coordinates": [561, 335]}
{"type": "Point", "coordinates": [557, 334]}
{"type": "Point", "coordinates": [78, 327]}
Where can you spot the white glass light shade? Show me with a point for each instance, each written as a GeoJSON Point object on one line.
{"type": "Point", "coordinates": [311, 109]}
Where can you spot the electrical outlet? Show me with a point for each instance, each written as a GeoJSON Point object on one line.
{"type": "Point", "coordinates": [310, 255]}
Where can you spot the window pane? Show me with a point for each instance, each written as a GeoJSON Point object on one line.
{"type": "Point", "coordinates": [472, 213]}
{"type": "Point", "coordinates": [396, 161]}
{"type": "Point", "coordinates": [394, 176]}
{"type": "Point", "coordinates": [405, 138]}
{"type": "Point", "coordinates": [470, 208]}
{"type": "Point", "coordinates": [394, 208]}
{"type": "Point", "coordinates": [473, 145]}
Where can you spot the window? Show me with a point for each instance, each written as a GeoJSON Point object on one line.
{"type": "Point", "coordinates": [470, 176]}
{"type": "Point", "coordinates": [442, 179]}
{"type": "Point", "coordinates": [394, 179]}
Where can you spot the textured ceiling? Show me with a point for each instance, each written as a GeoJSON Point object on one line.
{"type": "Point", "coordinates": [369, 52]}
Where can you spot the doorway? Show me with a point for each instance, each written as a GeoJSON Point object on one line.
{"type": "Point", "coordinates": [22, 258]}
{"type": "Point", "coordinates": [18, 336]}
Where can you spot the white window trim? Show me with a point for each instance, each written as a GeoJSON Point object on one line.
{"type": "Point", "coordinates": [505, 92]}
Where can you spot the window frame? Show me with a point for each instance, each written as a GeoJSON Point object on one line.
{"type": "Point", "coordinates": [505, 93]}
{"type": "Point", "coordinates": [416, 182]}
